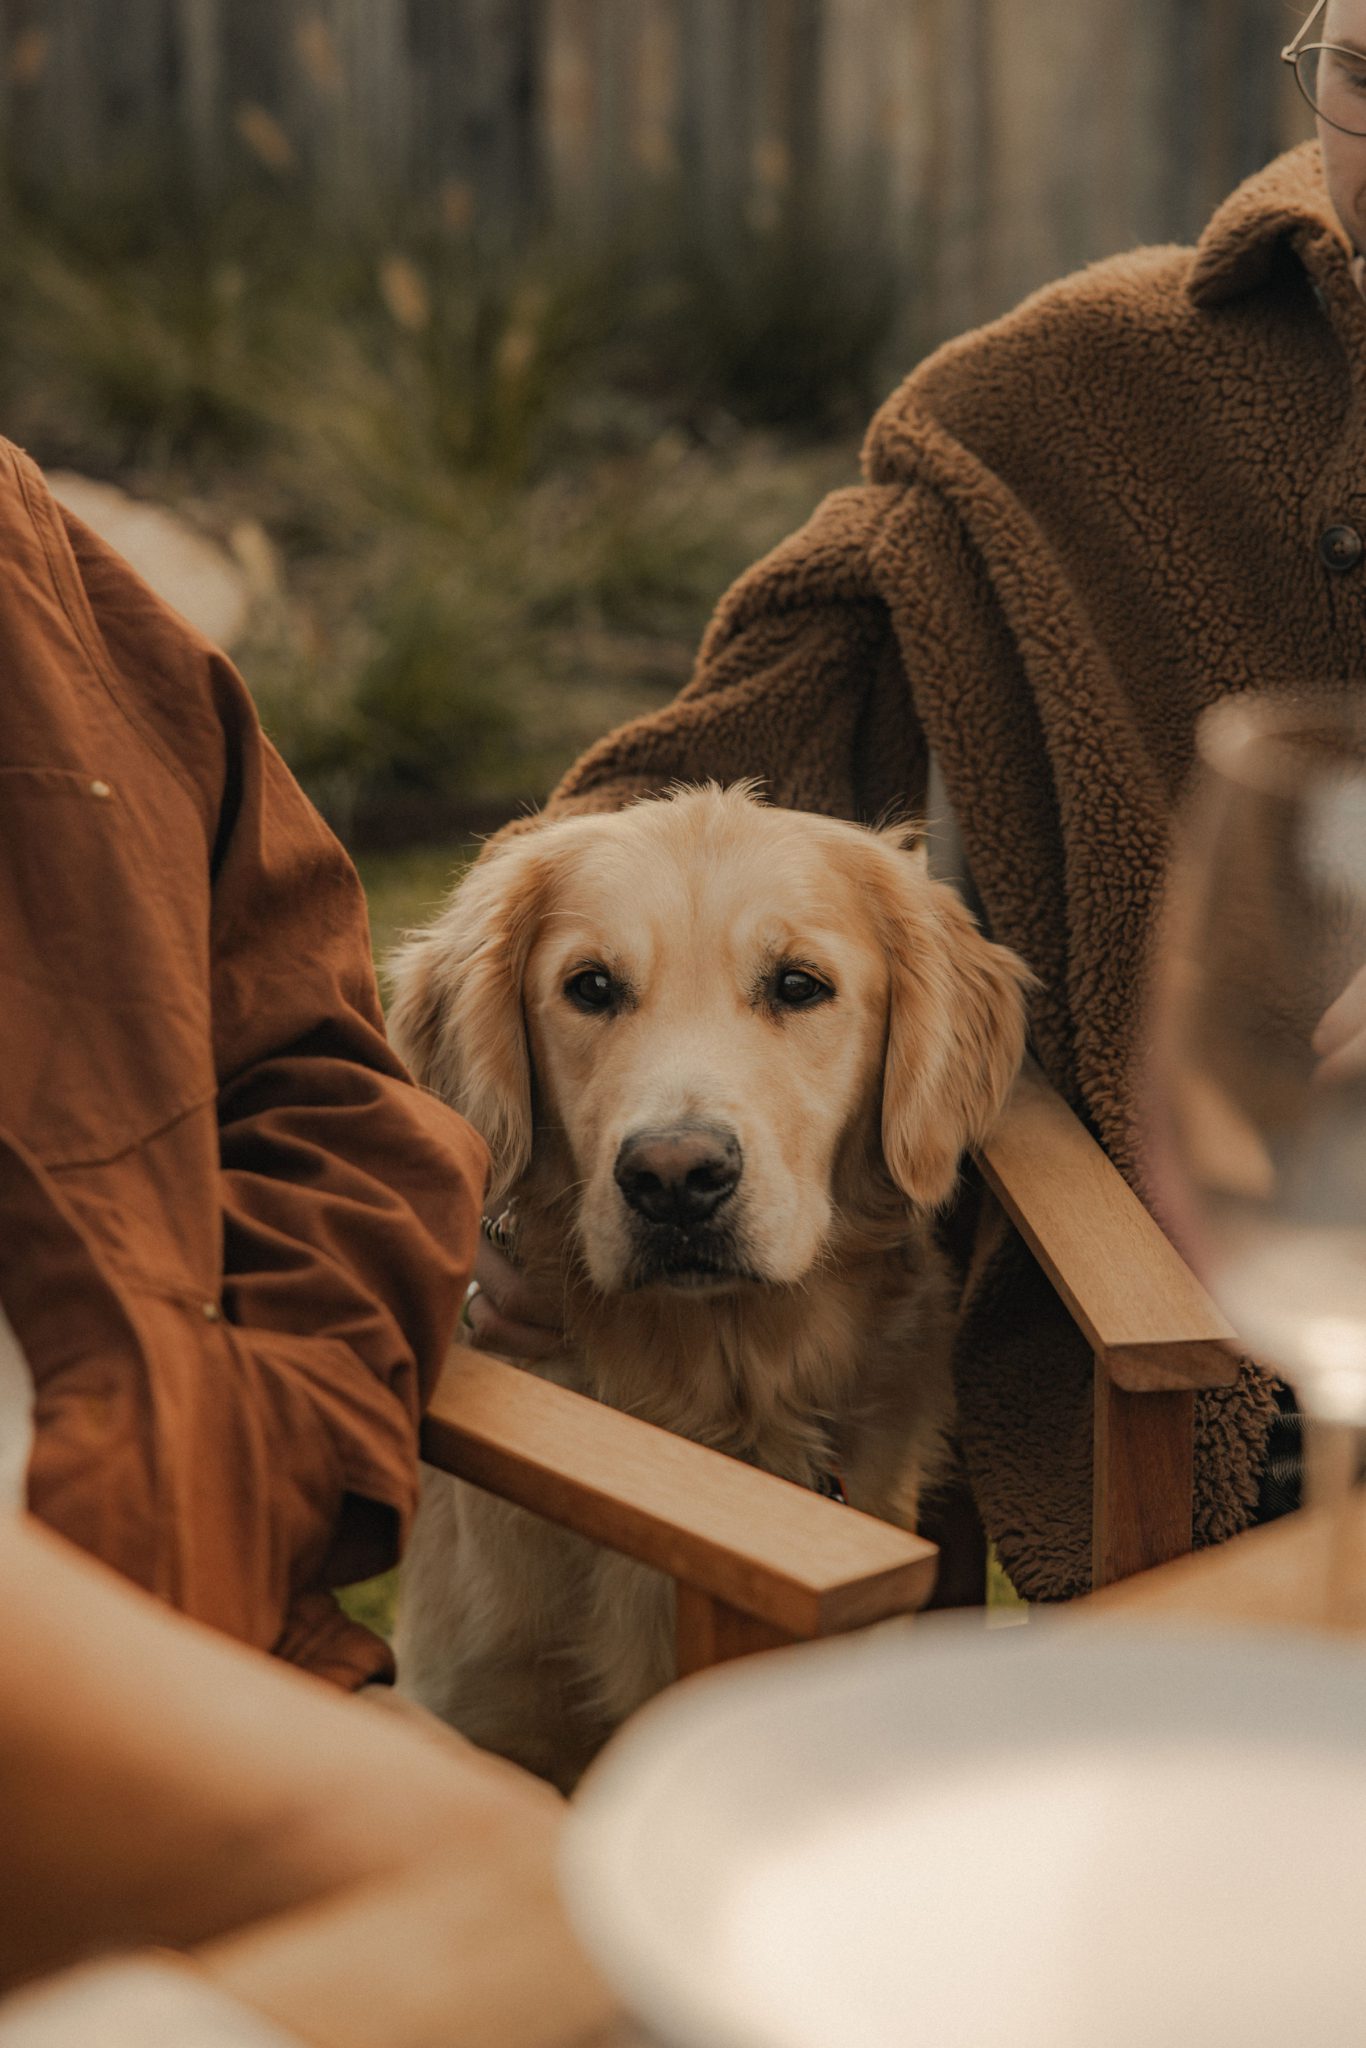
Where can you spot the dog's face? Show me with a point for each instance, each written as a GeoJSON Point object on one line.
{"type": "Point", "coordinates": [702, 1006]}
{"type": "Point", "coordinates": [703, 1023]}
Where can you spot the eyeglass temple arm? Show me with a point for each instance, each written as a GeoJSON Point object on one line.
{"type": "Point", "coordinates": [1292, 48]}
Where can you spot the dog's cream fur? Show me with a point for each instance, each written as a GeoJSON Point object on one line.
{"type": "Point", "coordinates": [822, 1339]}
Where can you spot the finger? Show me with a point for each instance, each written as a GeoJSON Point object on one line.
{"type": "Point", "coordinates": [493, 1269]}
{"type": "Point", "coordinates": [517, 1298]}
{"type": "Point", "coordinates": [491, 1331]}
{"type": "Point", "coordinates": [1343, 1020]}
{"type": "Point", "coordinates": [1344, 1063]}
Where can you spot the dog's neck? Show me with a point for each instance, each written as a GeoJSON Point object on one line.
{"type": "Point", "coordinates": [785, 1377]}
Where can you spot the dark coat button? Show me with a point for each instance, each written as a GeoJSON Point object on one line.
{"type": "Point", "coordinates": [1340, 548]}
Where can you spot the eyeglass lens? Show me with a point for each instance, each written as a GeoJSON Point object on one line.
{"type": "Point", "coordinates": [1334, 83]}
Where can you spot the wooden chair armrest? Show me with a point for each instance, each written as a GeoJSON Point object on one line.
{"type": "Point", "coordinates": [1145, 1315]}
{"type": "Point", "coordinates": [803, 1565]}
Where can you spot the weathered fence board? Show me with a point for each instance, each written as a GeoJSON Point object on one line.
{"type": "Point", "coordinates": [973, 148]}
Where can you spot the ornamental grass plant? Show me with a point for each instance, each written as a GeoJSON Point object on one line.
{"type": "Point", "coordinates": [485, 503]}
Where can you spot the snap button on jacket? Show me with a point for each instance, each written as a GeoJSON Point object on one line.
{"type": "Point", "coordinates": [1340, 548]}
{"type": "Point", "coordinates": [233, 1235]}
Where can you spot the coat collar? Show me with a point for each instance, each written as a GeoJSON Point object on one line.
{"type": "Point", "coordinates": [1288, 201]}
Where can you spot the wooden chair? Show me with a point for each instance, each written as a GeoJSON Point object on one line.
{"type": "Point", "coordinates": [1156, 1336]}
{"type": "Point", "coordinates": [760, 1562]}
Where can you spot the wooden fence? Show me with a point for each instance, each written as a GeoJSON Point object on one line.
{"type": "Point", "coordinates": [973, 148]}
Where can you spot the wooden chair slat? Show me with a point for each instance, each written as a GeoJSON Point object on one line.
{"type": "Point", "coordinates": [1140, 1307]}
{"type": "Point", "coordinates": [804, 1565]}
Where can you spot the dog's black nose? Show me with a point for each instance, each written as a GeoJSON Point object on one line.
{"type": "Point", "coordinates": [679, 1176]}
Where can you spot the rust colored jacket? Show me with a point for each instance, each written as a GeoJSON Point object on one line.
{"type": "Point", "coordinates": [233, 1235]}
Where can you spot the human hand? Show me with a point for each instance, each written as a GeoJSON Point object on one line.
{"type": "Point", "coordinates": [510, 1313]}
{"type": "Point", "coordinates": [1340, 1038]}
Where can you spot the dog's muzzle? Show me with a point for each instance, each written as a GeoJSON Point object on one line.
{"type": "Point", "coordinates": [678, 1183]}
{"type": "Point", "coordinates": [678, 1177]}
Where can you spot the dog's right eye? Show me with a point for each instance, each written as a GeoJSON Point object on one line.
{"type": "Point", "coordinates": [592, 989]}
{"type": "Point", "coordinates": [795, 989]}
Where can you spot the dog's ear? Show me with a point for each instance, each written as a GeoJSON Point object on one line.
{"type": "Point", "coordinates": [456, 1016]}
{"type": "Point", "coordinates": [956, 1032]}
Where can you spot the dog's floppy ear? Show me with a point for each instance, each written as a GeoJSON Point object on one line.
{"type": "Point", "coordinates": [956, 1033]}
{"type": "Point", "coordinates": [456, 1015]}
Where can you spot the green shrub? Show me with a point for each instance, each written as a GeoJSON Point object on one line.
{"type": "Point", "coordinates": [505, 494]}
{"type": "Point", "coordinates": [785, 329]}
{"type": "Point", "coordinates": [422, 703]}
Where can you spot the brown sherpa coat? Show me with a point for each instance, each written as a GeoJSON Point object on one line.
{"type": "Point", "coordinates": [1079, 526]}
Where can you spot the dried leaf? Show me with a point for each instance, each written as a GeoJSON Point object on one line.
{"type": "Point", "coordinates": [772, 163]}
{"type": "Point", "coordinates": [404, 291]}
{"type": "Point", "coordinates": [457, 205]}
{"type": "Point", "coordinates": [516, 353]}
{"type": "Point", "coordinates": [264, 137]}
{"type": "Point", "coordinates": [28, 56]}
{"type": "Point", "coordinates": [317, 52]}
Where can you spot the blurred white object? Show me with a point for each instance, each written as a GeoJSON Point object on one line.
{"type": "Point", "coordinates": [203, 583]}
{"type": "Point", "coordinates": [1051, 1838]}
{"type": "Point", "coordinates": [139, 2003]}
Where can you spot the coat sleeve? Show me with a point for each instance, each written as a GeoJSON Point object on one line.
{"type": "Point", "coordinates": [348, 1199]}
{"type": "Point", "coordinates": [798, 684]}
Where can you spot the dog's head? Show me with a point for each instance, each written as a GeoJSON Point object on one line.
{"type": "Point", "coordinates": [696, 1004]}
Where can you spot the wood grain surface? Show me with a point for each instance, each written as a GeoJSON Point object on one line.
{"type": "Point", "coordinates": [802, 1564]}
{"type": "Point", "coordinates": [1130, 1292]}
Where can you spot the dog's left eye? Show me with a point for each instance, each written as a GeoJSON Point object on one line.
{"type": "Point", "coordinates": [795, 989]}
{"type": "Point", "coordinates": [592, 989]}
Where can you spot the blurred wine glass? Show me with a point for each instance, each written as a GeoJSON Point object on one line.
{"type": "Point", "coordinates": [1259, 1103]}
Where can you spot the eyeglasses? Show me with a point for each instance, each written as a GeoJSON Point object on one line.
{"type": "Point", "coordinates": [1331, 77]}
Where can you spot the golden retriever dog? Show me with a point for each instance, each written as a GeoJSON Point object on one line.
{"type": "Point", "coordinates": [727, 1058]}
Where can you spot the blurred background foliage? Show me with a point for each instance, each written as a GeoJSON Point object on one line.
{"type": "Point", "coordinates": [499, 497]}
{"type": "Point", "coordinates": [491, 339]}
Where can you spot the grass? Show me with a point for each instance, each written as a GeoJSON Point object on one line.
{"type": "Point", "coordinates": [487, 508]}
{"type": "Point", "coordinates": [374, 1601]}
{"type": "Point", "coordinates": [404, 889]}
{"type": "Point", "coordinates": [1003, 1602]}
{"type": "Point", "coordinates": [464, 664]}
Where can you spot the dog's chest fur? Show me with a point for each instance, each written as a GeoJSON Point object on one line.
{"type": "Point", "coordinates": [537, 1644]}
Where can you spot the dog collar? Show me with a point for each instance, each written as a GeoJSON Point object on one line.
{"type": "Point", "coordinates": [501, 1231]}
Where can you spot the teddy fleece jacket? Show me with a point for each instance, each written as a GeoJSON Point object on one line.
{"type": "Point", "coordinates": [1079, 526]}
